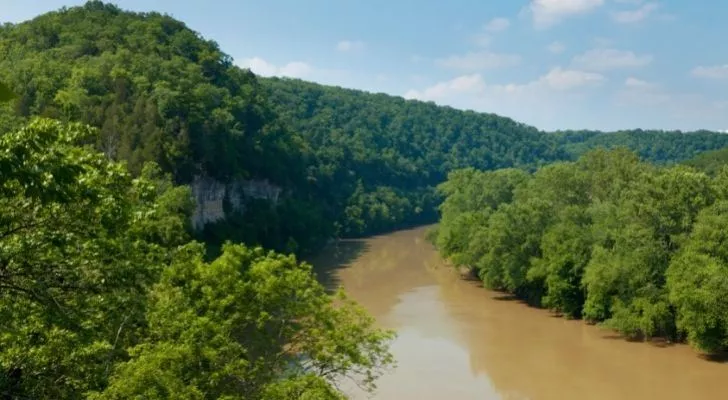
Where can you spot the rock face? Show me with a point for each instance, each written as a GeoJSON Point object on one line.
{"type": "Point", "coordinates": [210, 194]}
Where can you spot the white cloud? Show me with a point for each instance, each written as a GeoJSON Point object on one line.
{"type": "Point", "coordinates": [637, 92]}
{"type": "Point", "coordinates": [479, 61]}
{"type": "Point", "coordinates": [462, 84]}
{"type": "Point", "coordinates": [556, 80]}
{"type": "Point", "coordinates": [566, 79]}
{"type": "Point", "coordinates": [350, 45]}
{"type": "Point", "coordinates": [547, 13]}
{"type": "Point", "coordinates": [712, 72]}
{"type": "Point", "coordinates": [633, 16]}
{"type": "Point", "coordinates": [295, 69]}
{"type": "Point", "coordinates": [542, 102]}
{"type": "Point", "coordinates": [497, 25]}
{"type": "Point", "coordinates": [556, 47]}
{"type": "Point", "coordinates": [606, 59]}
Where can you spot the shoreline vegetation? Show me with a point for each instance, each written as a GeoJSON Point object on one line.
{"type": "Point", "coordinates": [609, 239]}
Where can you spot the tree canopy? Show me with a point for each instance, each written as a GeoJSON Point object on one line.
{"type": "Point", "coordinates": [350, 163]}
{"type": "Point", "coordinates": [102, 295]}
{"type": "Point", "coordinates": [607, 238]}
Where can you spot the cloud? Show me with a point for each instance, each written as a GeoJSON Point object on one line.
{"type": "Point", "coordinates": [295, 69]}
{"type": "Point", "coordinates": [462, 84]}
{"type": "Point", "coordinates": [557, 79]}
{"type": "Point", "coordinates": [567, 79]}
{"type": "Point", "coordinates": [712, 72]}
{"type": "Point", "coordinates": [633, 16]}
{"type": "Point", "coordinates": [556, 47]}
{"type": "Point", "coordinates": [637, 92]}
{"type": "Point", "coordinates": [479, 61]}
{"type": "Point", "coordinates": [681, 110]}
{"type": "Point", "coordinates": [606, 59]}
{"type": "Point", "coordinates": [497, 25]}
{"type": "Point", "coordinates": [546, 13]}
{"type": "Point", "coordinates": [350, 45]}
{"type": "Point", "coordinates": [542, 102]}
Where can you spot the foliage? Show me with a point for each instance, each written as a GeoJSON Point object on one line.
{"type": "Point", "coordinates": [607, 238]}
{"type": "Point", "coordinates": [101, 294]}
{"type": "Point", "coordinates": [710, 162]}
{"type": "Point", "coordinates": [5, 93]}
{"type": "Point", "coordinates": [350, 163]}
{"type": "Point", "coordinates": [658, 146]}
{"type": "Point", "coordinates": [232, 328]}
{"type": "Point", "coordinates": [81, 242]}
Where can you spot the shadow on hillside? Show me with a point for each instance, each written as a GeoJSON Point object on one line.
{"type": "Point", "coordinates": [335, 257]}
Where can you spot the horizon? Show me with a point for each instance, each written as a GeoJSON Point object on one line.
{"type": "Point", "coordinates": [604, 65]}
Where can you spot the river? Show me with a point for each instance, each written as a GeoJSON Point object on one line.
{"type": "Point", "coordinates": [457, 340]}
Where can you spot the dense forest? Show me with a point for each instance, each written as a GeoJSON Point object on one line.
{"type": "Point", "coordinates": [607, 238]}
{"type": "Point", "coordinates": [351, 163]}
{"type": "Point", "coordinates": [710, 162]}
{"type": "Point", "coordinates": [103, 295]}
{"type": "Point", "coordinates": [662, 147]}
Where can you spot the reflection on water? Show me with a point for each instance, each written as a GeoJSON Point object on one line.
{"type": "Point", "coordinates": [458, 341]}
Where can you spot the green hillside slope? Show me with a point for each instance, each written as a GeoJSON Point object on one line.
{"type": "Point", "coordinates": [349, 163]}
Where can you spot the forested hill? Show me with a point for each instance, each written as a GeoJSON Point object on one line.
{"type": "Point", "coordinates": [652, 145]}
{"type": "Point", "coordinates": [403, 134]}
{"type": "Point", "coordinates": [349, 162]}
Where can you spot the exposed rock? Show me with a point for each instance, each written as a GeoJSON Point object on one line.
{"type": "Point", "coordinates": [210, 195]}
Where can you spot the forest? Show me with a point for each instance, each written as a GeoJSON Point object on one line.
{"type": "Point", "coordinates": [104, 296]}
{"type": "Point", "coordinates": [108, 293]}
{"type": "Point", "coordinates": [351, 163]}
{"type": "Point", "coordinates": [638, 248]}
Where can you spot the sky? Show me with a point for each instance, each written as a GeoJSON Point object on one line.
{"type": "Point", "coordinates": [553, 64]}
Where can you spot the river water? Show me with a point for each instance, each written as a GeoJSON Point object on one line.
{"type": "Point", "coordinates": [456, 340]}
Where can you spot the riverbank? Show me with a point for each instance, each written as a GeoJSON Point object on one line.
{"type": "Point", "coordinates": [457, 340]}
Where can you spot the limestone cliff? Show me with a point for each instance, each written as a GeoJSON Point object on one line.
{"type": "Point", "coordinates": [210, 194]}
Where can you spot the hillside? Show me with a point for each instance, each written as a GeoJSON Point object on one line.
{"type": "Point", "coordinates": [710, 162]}
{"type": "Point", "coordinates": [651, 145]}
{"type": "Point", "coordinates": [349, 163]}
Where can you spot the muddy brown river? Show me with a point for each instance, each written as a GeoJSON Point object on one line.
{"type": "Point", "coordinates": [456, 340]}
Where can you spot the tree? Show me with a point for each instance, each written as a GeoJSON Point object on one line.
{"type": "Point", "coordinates": [249, 325]}
{"type": "Point", "coordinates": [698, 281]}
{"type": "Point", "coordinates": [103, 295]}
{"type": "Point", "coordinates": [608, 238]}
{"type": "Point", "coordinates": [5, 93]}
{"type": "Point", "coordinates": [80, 243]}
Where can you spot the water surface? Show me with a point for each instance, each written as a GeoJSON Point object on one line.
{"type": "Point", "coordinates": [458, 341]}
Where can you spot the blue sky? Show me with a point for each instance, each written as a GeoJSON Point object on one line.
{"type": "Point", "coordinates": [555, 64]}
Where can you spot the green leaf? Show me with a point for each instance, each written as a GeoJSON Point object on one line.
{"type": "Point", "coordinates": [5, 93]}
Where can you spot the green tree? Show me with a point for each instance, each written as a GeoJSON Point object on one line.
{"type": "Point", "coordinates": [102, 295]}
{"type": "Point", "coordinates": [80, 243]}
{"type": "Point", "coordinates": [248, 325]}
{"type": "Point", "coordinates": [698, 281]}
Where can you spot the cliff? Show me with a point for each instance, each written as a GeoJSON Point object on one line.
{"type": "Point", "coordinates": [210, 195]}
